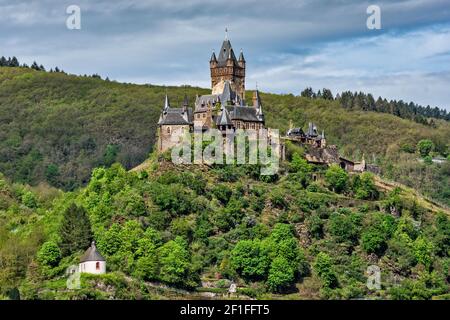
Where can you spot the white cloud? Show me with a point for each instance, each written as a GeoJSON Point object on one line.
{"type": "Point", "coordinates": [288, 44]}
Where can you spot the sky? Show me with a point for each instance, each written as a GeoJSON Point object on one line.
{"type": "Point", "coordinates": [288, 45]}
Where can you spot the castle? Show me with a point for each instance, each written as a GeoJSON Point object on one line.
{"type": "Point", "coordinates": [224, 109]}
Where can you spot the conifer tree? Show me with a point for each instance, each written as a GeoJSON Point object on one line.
{"type": "Point", "coordinates": [14, 62]}
{"type": "Point", "coordinates": [75, 230]}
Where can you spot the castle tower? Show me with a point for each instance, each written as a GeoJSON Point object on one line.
{"type": "Point", "coordinates": [226, 67]}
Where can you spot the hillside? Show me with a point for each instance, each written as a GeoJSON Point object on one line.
{"type": "Point", "coordinates": [188, 231]}
{"type": "Point", "coordinates": [56, 128]}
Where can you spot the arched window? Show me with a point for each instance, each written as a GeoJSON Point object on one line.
{"type": "Point", "coordinates": [168, 129]}
{"type": "Point", "coordinates": [97, 265]}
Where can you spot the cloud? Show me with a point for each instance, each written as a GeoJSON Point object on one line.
{"type": "Point", "coordinates": [289, 44]}
{"type": "Point", "coordinates": [409, 66]}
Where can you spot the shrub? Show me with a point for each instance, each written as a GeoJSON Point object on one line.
{"type": "Point", "coordinates": [29, 200]}
{"type": "Point", "coordinates": [425, 147]}
{"type": "Point", "coordinates": [324, 269]}
{"type": "Point", "coordinates": [337, 178]}
{"type": "Point", "coordinates": [281, 275]}
{"type": "Point", "coordinates": [49, 254]}
{"type": "Point", "coordinates": [250, 258]}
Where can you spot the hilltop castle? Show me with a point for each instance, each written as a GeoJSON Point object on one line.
{"type": "Point", "coordinates": [225, 108]}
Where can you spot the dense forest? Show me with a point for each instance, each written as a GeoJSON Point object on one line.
{"type": "Point", "coordinates": [184, 231]}
{"type": "Point", "coordinates": [68, 142]}
{"type": "Point", "coordinates": [366, 102]}
{"type": "Point", "coordinates": [56, 128]}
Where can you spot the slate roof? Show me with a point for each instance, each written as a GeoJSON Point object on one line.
{"type": "Point", "coordinates": [92, 254]}
{"type": "Point", "coordinates": [225, 52]}
{"type": "Point", "coordinates": [174, 116]}
{"type": "Point", "coordinates": [228, 94]}
{"type": "Point", "coordinates": [326, 155]}
{"type": "Point", "coordinates": [246, 113]}
{"type": "Point", "coordinates": [202, 102]}
{"type": "Point", "coordinates": [296, 132]}
{"type": "Point", "coordinates": [224, 118]}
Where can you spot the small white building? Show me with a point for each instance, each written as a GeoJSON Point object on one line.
{"type": "Point", "coordinates": [92, 261]}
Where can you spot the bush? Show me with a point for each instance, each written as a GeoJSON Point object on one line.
{"type": "Point", "coordinates": [174, 260]}
{"type": "Point", "coordinates": [222, 193]}
{"type": "Point", "coordinates": [344, 227]}
{"type": "Point", "coordinates": [425, 147]}
{"type": "Point", "coordinates": [337, 178]}
{"type": "Point", "coordinates": [281, 275]}
{"type": "Point", "coordinates": [250, 258]}
{"type": "Point", "coordinates": [49, 254]}
{"type": "Point", "coordinates": [324, 269]}
{"type": "Point", "coordinates": [29, 200]}
{"type": "Point", "coordinates": [364, 187]}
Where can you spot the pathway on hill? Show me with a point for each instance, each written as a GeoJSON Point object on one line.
{"type": "Point", "coordinates": [426, 202]}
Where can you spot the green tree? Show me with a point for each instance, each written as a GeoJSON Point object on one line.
{"type": "Point", "coordinates": [75, 230]}
{"type": "Point", "coordinates": [308, 93]}
{"type": "Point", "coordinates": [364, 187]}
{"type": "Point", "coordinates": [327, 94]}
{"type": "Point", "coordinates": [29, 199]}
{"type": "Point", "coordinates": [250, 258]}
{"type": "Point", "coordinates": [373, 241]}
{"type": "Point", "coordinates": [337, 178]}
{"type": "Point", "coordinates": [323, 267]}
{"type": "Point", "coordinates": [174, 262]}
{"type": "Point", "coordinates": [49, 254]}
{"type": "Point", "coordinates": [301, 170]}
{"type": "Point", "coordinates": [343, 227]}
{"type": "Point", "coordinates": [425, 147]}
{"type": "Point", "coordinates": [110, 155]}
{"type": "Point", "coordinates": [423, 250]}
{"type": "Point", "coordinates": [281, 275]}
{"type": "Point", "coordinates": [428, 160]}
{"type": "Point", "coordinates": [52, 173]}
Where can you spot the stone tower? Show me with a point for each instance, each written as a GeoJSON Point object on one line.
{"type": "Point", "coordinates": [227, 67]}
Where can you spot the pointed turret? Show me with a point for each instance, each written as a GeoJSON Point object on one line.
{"type": "Point", "coordinates": [213, 60]}
{"type": "Point", "coordinates": [224, 119]}
{"type": "Point", "coordinates": [226, 53]}
{"type": "Point", "coordinates": [185, 101]}
{"type": "Point", "coordinates": [241, 56]}
{"type": "Point", "coordinates": [258, 105]}
{"type": "Point", "coordinates": [166, 104]}
{"type": "Point", "coordinates": [241, 60]}
{"type": "Point", "coordinates": [213, 57]}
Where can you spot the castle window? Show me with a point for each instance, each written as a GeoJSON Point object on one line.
{"type": "Point", "coordinates": [204, 115]}
{"type": "Point", "coordinates": [168, 129]}
{"type": "Point", "coordinates": [97, 265]}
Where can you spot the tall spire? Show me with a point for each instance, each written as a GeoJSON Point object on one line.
{"type": "Point", "coordinates": [185, 101]}
{"type": "Point", "coordinates": [166, 103]}
{"type": "Point", "coordinates": [226, 34]}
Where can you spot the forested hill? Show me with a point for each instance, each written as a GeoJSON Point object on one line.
{"type": "Point", "coordinates": [56, 128]}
